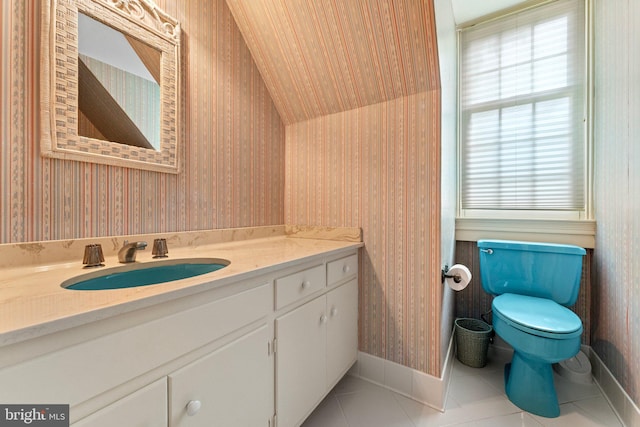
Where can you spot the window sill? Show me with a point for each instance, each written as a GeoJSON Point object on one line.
{"type": "Point", "coordinates": [573, 232]}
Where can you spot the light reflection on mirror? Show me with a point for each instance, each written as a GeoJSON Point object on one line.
{"type": "Point", "coordinates": [118, 91]}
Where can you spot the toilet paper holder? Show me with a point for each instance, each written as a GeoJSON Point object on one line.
{"type": "Point", "coordinates": [456, 277]}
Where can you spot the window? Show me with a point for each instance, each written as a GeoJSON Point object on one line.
{"type": "Point", "coordinates": [522, 115]}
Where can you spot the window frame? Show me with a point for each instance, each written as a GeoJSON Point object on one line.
{"type": "Point", "coordinates": [558, 226]}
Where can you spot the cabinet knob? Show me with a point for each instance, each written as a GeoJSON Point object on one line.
{"type": "Point", "coordinates": [323, 318]}
{"type": "Point", "coordinates": [306, 284]}
{"type": "Point", "coordinates": [334, 311]}
{"type": "Point", "coordinates": [345, 269]}
{"type": "Point", "coordinates": [193, 407]}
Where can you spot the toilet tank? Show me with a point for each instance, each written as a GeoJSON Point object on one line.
{"type": "Point", "coordinates": [544, 270]}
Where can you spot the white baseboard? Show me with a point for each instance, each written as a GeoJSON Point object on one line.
{"type": "Point", "coordinates": [409, 382]}
{"type": "Point", "coordinates": [432, 391]}
{"type": "Point", "coordinates": [620, 401]}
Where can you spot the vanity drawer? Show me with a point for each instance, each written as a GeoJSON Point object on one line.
{"type": "Point", "coordinates": [298, 285]}
{"type": "Point", "coordinates": [342, 269]}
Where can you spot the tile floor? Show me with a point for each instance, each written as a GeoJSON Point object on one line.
{"type": "Point", "coordinates": [476, 398]}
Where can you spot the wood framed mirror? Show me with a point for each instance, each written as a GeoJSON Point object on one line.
{"type": "Point", "coordinates": [110, 83]}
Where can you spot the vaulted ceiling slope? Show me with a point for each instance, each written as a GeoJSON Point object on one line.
{"type": "Point", "coordinates": [319, 57]}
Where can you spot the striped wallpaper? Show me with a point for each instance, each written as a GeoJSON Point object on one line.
{"type": "Point", "coordinates": [378, 167]}
{"type": "Point", "coordinates": [616, 300]}
{"type": "Point", "coordinates": [357, 84]}
{"type": "Point", "coordinates": [233, 160]}
{"type": "Point", "coordinates": [326, 56]}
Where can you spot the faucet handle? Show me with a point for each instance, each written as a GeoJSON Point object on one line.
{"type": "Point", "coordinates": [93, 256]}
{"type": "Point", "coordinates": [159, 248]}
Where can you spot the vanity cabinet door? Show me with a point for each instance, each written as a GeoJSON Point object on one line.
{"type": "Point", "coordinates": [342, 330]}
{"type": "Point", "coordinates": [300, 361]}
{"type": "Point", "coordinates": [146, 407]}
{"type": "Point", "coordinates": [317, 344]}
{"type": "Point", "coordinates": [230, 387]}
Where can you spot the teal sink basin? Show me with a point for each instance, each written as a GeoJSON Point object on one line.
{"type": "Point", "coordinates": [143, 274]}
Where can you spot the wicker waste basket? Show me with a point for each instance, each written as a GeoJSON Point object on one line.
{"type": "Point", "coordinates": [472, 341]}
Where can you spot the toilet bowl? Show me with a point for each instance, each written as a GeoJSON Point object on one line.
{"type": "Point", "coordinates": [519, 321]}
{"type": "Point", "coordinates": [533, 284]}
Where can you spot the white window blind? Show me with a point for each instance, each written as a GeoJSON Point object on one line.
{"type": "Point", "coordinates": [522, 111]}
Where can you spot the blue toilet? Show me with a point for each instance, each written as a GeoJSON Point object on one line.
{"type": "Point", "coordinates": [534, 283]}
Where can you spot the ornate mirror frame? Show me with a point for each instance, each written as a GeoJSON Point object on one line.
{"type": "Point", "coordinates": [140, 19]}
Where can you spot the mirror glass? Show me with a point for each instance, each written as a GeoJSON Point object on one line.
{"type": "Point", "coordinates": [118, 86]}
{"type": "Point", "coordinates": [110, 83]}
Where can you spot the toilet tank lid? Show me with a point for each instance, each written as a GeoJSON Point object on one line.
{"type": "Point", "coordinates": [531, 246]}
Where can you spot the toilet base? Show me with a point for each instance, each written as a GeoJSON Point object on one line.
{"type": "Point", "coordinates": [529, 385]}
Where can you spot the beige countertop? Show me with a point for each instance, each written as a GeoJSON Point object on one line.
{"type": "Point", "coordinates": [33, 303]}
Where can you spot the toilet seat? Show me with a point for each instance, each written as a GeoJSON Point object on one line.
{"type": "Point", "coordinates": [537, 316]}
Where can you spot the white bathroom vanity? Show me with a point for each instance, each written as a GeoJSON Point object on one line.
{"type": "Point", "coordinates": [258, 343]}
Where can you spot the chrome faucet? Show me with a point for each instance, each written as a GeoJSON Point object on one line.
{"type": "Point", "coordinates": [127, 253]}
